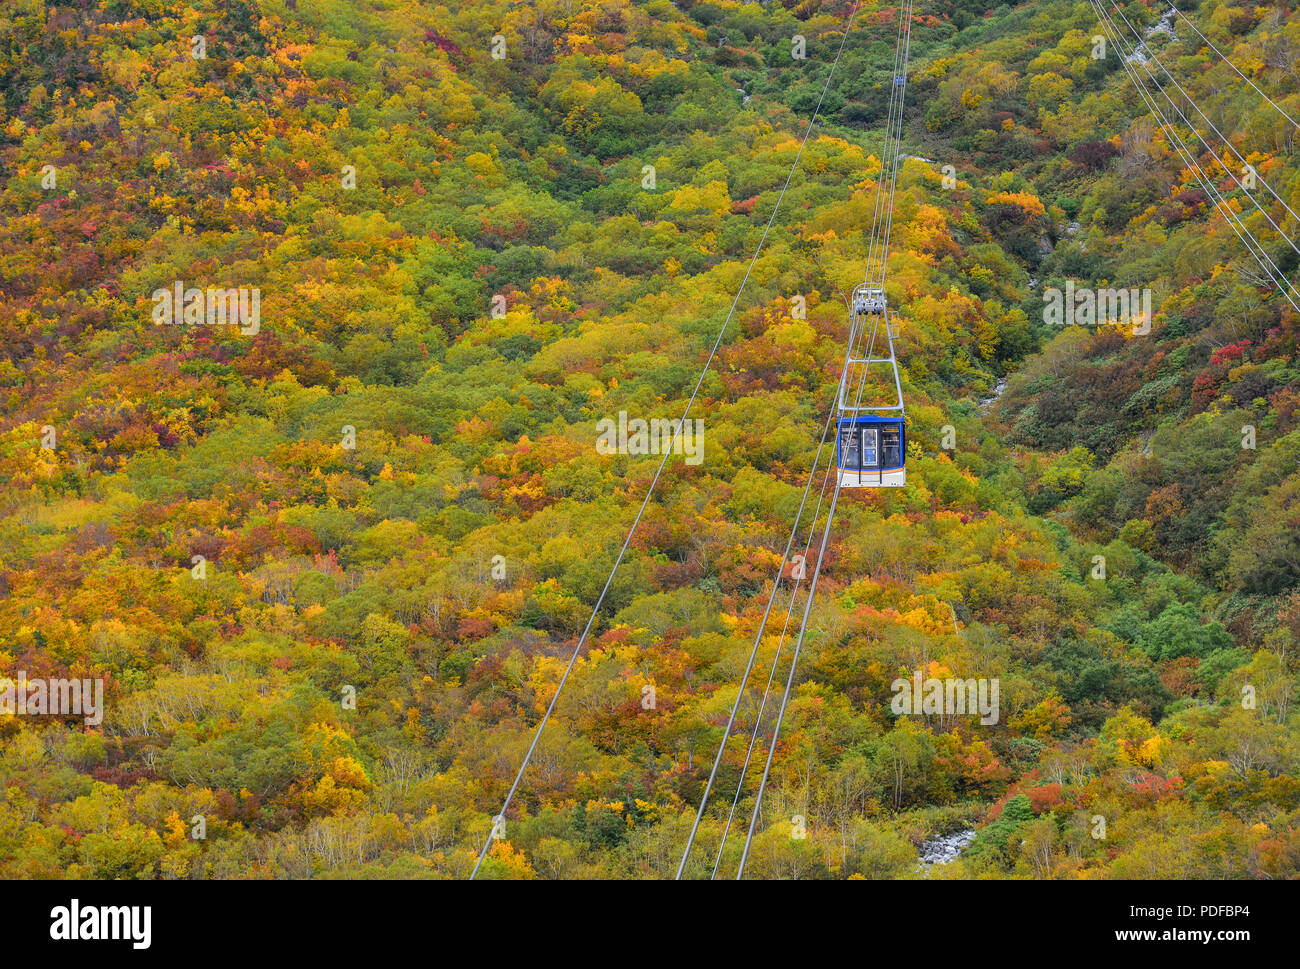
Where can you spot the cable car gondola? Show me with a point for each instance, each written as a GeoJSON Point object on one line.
{"type": "Point", "coordinates": [870, 451]}
{"type": "Point", "coordinates": [870, 448]}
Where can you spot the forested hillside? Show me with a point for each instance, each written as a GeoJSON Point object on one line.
{"type": "Point", "coordinates": [330, 565]}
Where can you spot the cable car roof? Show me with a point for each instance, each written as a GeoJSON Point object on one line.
{"type": "Point", "coordinates": [870, 419]}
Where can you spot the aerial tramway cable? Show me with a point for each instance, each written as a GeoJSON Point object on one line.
{"type": "Point", "coordinates": [1234, 221]}
{"type": "Point", "coordinates": [803, 625]}
{"type": "Point", "coordinates": [830, 467]}
{"type": "Point", "coordinates": [776, 658]}
{"type": "Point", "coordinates": [677, 428]}
{"type": "Point", "coordinates": [731, 719]}
{"type": "Point", "coordinates": [877, 246]}
{"type": "Point", "coordinates": [1238, 227]}
{"type": "Point", "coordinates": [1276, 106]}
{"type": "Point", "coordinates": [1215, 129]}
{"type": "Point", "coordinates": [878, 252]}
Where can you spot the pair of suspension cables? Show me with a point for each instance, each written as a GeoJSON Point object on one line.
{"type": "Point", "coordinates": [1137, 58]}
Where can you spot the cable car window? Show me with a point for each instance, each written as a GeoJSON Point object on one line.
{"type": "Point", "coordinates": [849, 449]}
{"type": "Point", "coordinates": [891, 451]}
{"type": "Point", "coordinates": [869, 447]}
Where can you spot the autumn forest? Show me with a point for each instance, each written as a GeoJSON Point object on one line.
{"type": "Point", "coordinates": [310, 315]}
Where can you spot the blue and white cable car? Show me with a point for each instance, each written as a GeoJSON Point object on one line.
{"type": "Point", "coordinates": [871, 438]}
{"type": "Point", "coordinates": [870, 451]}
